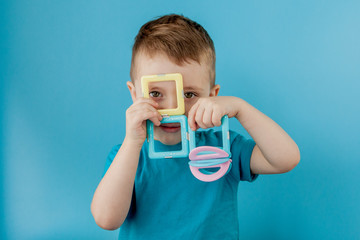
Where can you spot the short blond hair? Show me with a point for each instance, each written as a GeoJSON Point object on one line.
{"type": "Point", "coordinates": [180, 38]}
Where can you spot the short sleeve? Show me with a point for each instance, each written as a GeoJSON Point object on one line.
{"type": "Point", "coordinates": [111, 157]}
{"type": "Point", "coordinates": [241, 150]}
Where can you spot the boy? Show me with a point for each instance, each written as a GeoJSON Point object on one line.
{"type": "Point", "coordinates": [159, 198]}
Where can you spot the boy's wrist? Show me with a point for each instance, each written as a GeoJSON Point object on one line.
{"type": "Point", "coordinates": [239, 106]}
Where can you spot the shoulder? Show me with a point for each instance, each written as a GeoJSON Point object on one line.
{"type": "Point", "coordinates": [114, 150]}
{"type": "Point", "coordinates": [110, 157]}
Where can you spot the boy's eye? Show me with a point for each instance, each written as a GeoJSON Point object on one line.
{"type": "Point", "coordinates": [155, 94]}
{"type": "Point", "coordinates": [189, 95]}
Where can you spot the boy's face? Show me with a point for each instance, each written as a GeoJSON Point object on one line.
{"type": "Point", "coordinates": [196, 83]}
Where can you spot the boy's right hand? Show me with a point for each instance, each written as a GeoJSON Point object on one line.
{"type": "Point", "coordinates": [136, 115]}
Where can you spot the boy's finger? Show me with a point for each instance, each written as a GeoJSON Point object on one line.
{"type": "Point", "coordinates": [157, 116]}
{"type": "Point", "coordinates": [155, 119]}
{"type": "Point", "coordinates": [146, 100]}
{"type": "Point", "coordinates": [149, 114]}
{"type": "Point", "coordinates": [191, 117]}
{"type": "Point", "coordinates": [207, 118]}
{"type": "Point", "coordinates": [216, 119]}
{"type": "Point", "coordinates": [145, 115]}
{"type": "Point", "coordinates": [139, 110]}
{"type": "Point", "coordinates": [199, 117]}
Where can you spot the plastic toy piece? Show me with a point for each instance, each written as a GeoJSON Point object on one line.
{"type": "Point", "coordinates": [220, 159]}
{"type": "Point", "coordinates": [217, 153]}
{"type": "Point", "coordinates": [208, 163]}
{"type": "Point", "coordinates": [184, 152]}
{"type": "Point", "coordinates": [177, 77]}
{"type": "Point", "coordinates": [204, 171]}
{"type": "Point", "coordinates": [210, 177]}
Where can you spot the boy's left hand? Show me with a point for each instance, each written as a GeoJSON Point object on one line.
{"type": "Point", "coordinates": [208, 111]}
{"type": "Point", "coordinates": [274, 152]}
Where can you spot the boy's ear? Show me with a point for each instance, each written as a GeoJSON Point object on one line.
{"type": "Point", "coordinates": [214, 91]}
{"type": "Point", "coordinates": [132, 90]}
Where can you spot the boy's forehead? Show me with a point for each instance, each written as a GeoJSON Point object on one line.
{"type": "Point", "coordinates": [195, 75]}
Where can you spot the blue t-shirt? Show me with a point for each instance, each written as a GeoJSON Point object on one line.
{"type": "Point", "coordinates": [170, 203]}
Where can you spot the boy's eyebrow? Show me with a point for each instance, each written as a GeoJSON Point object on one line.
{"type": "Point", "coordinates": [193, 88]}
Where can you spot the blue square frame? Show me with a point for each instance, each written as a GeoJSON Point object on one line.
{"type": "Point", "coordinates": [184, 152]}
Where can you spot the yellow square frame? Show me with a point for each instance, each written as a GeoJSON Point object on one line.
{"type": "Point", "coordinates": [177, 77]}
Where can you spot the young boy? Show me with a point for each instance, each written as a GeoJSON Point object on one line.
{"type": "Point", "coordinates": [160, 198]}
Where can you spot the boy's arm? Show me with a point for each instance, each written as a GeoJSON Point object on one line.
{"type": "Point", "coordinates": [112, 198]}
{"type": "Point", "coordinates": [274, 152]}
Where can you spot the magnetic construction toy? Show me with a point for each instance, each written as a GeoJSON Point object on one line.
{"type": "Point", "coordinates": [202, 159]}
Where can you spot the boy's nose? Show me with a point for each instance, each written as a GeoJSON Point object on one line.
{"type": "Point", "coordinates": [171, 102]}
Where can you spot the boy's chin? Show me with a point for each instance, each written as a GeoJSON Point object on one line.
{"type": "Point", "coordinates": [167, 141]}
{"type": "Point", "coordinates": [168, 138]}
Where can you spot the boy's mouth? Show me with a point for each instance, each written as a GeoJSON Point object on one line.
{"type": "Point", "coordinates": [170, 127]}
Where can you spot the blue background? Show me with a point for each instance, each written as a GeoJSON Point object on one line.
{"type": "Point", "coordinates": [64, 65]}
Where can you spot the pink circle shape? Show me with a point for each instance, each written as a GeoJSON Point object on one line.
{"type": "Point", "coordinates": [211, 177]}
